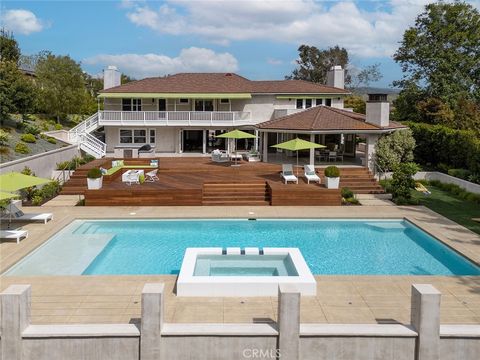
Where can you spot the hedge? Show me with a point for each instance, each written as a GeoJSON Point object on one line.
{"type": "Point", "coordinates": [438, 144]}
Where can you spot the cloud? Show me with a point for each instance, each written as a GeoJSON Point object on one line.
{"type": "Point", "coordinates": [364, 33]}
{"type": "Point", "coordinates": [21, 21]}
{"type": "Point", "coordinates": [192, 59]}
{"type": "Point", "coordinates": [273, 61]}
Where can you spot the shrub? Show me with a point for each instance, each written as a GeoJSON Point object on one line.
{"type": "Point", "coordinates": [31, 129]}
{"type": "Point", "coordinates": [4, 150]}
{"type": "Point", "coordinates": [402, 180]}
{"type": "Point", "coordinates": [27, 171]}
{"type": "Point", "coordinates": [352, 201]}
{"type": "Point", "coordinates": [28, 138]}
{"type": "Point", "coordinates": [94, 173]}
{"type": "Point", "coordinates": [87, 158]}
{"type": "Point", "coordinates": [50, 190]}
{"type": "Point", "coordinates": [4, 138]}
{"type": "Point", "coordinates": [347, 193]}
{"type": "Point", "coordinates": [459, 173]}
{"type": "Point", "coordinates": [22, 148]}
{"type": "Point", "coordinates": [58, 127]}
{"type": "Point", "coordinates": [395, 148]}
{"type": "Point", "coordinates": [37, 200]}
{"type": "Point", "coordinates": [332, 172]}
{"type": "Point", "coordinates": [51, 140]}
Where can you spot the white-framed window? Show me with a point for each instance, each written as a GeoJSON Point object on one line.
{"type": "Point", "coordinates": [133, 136]}
{"type": "Point", "coordinates": [299, 103]}
{"type": "Point", "coordinates": [328, 102]}
{"type": "Point", "coordinates": [184, 101]}
{"type": "Point", "coordinates": [131, 104]}
{"type": "Point", "coordinates": [308, 103]}
{"type": "Point", "coordinates": [224, 101]}
{"type": "Point", "coordinates": [304, 103]}
{"type": "Point", "coordinates": [152, 136]}
{"type": "Point", "coordinates": [318, 102]}
{"type": "Point", "coordinates": [203, 105]}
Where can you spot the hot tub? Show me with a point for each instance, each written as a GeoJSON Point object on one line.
{"type": "Point", "coordinates": [248, 272]}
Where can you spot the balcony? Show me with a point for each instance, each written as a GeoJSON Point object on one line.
{"type": "Point", "coordinates": [174, 118]}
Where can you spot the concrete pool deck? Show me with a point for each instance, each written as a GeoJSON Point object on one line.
{"type": "Point", "coordinates": [340, 299]}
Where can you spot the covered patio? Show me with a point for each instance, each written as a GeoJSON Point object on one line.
{"type": "Point", "coordinates": [348, 137]}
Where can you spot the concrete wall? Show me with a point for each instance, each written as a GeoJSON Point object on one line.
{"type": "Point", "coordinates": [166, 137]}
{"type": "Point", "coordinates": [42, 164]}
{"type": "Point", "coordinates": [424, 339]}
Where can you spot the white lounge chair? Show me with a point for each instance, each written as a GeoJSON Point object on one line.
{"type": "Point", "coordinates": [13, 234]}
{"type": "Point", "coordinates": [132, 177]}
{"type": "Point", "coordinates": [151, 176]}
{"type": "Point", "coordinates": [220, 156]}
{"type": "Point", "coordinates": [310, 174]}
{"type": "Point", "coordinates": [287, 174]}
{"type": "Point", "coordinates": [15, 214]}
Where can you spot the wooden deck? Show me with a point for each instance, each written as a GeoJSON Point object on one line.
{"type": "Point", "coordinates": [198, 181]}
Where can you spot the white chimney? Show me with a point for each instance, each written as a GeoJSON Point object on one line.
{"type": "Point", "coordinates": [111, 77]}
{"type": "Point", "coordinates": [336, 77]}
{"type": "Point", "coordinates": [378, 110]}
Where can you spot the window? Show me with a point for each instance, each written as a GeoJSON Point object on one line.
{"type": "Point", "coordinates": [203, 105]}
{"type": "Point", "coordinates": [224, 101]}
{"type": "Point", "coordinates": [162, 105]}
{"type": "Point", "coordinates": [318, 102]}
{"type": "Point", "coordinates": [129, 136]}
{"type": "Point", "coordinates": [131, 104]}
{"type": "Point", "coordinates": [308, 103]}
{"type": "Point", "coordinates": [328, 102]}
{"type": "Point", "coordinates": [152, 136]}
{"type": "Point", "coordinates": [183, 101]}
{"type": "Point", "coordinates": [299, 103]}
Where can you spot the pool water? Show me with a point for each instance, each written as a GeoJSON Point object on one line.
{"type": "Point", "coordinates": [356, 247]}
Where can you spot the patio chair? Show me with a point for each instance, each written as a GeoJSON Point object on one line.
{"type": "Point", "coordinates": [132, 178]}
{"type": "Point", "coordinates": [15, 214]}
{"type": "Point", "coordinates": [310, 174]}
{"type": "Point", "coordinates": [220, 156]}
{"type": "Point", "coordinates": [332, 156]}
{"type": "Point", "coordinates": [287, 174]}
{"type": "Point", "coordinates": [151, 176]}
{"type": "Point", "coordinates": [340, 155]}
{"type": "Point", "coordinates": [13, 234]}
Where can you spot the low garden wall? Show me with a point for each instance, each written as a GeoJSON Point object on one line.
{"type": "Point", "coordinates": [44, 164]}
{"type": "Point", "coordinates": [286, 339]}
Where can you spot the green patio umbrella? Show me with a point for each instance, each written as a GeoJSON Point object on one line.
{"type": "Point", "coordinates": [236, 134]}
{"type": "Point", "coordinates": [14, 181]}
{"type": "Point", "coordinates": [298, 144]}
{"type": "Point", "coordinates": [7, 195]}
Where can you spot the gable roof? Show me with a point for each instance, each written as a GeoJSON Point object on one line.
{"type": "Point", "coordinates": [324, 118]}
{"type": "Point", "coordinates": [221, 83]}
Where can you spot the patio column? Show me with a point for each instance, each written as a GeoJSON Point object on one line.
{"type": "Point", "coordinates": [256, 140]}
{"type": "Point", "coordinates": [204, 150]}
{"type": "Point", "coordinates": [265, 147]}
{"type": "Point", "coordinates": [312, 151]}
{"type": "Point", "coordinates": [370, 151]}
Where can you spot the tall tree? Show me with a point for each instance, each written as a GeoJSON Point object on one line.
{"type": "Point", "coordinates": [441, 52]}
{"type": "Point", "coordinates": [9, 50]}
{"type": "Point", "coordinates": [314, 63]}
{"type": "Point", "coordinates": [365, 76]}
{"type": "Point", "coordinates": [62, 85]}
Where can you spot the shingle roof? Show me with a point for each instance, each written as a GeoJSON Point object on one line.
{"type": "Point", "coordinates": [220, 83]}
{"type": "Point", "coordinates": [323, 118]}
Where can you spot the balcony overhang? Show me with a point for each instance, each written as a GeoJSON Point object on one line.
{"type": "Point", "coordinates": [309, 96]}
{"type": "Point", "coordinates": [176, 95]}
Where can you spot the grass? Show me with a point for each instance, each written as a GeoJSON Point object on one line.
{"type": "Point", "coordinates": [456, 209]}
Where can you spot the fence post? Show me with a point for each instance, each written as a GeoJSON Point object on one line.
{"type": "Point", "coordinates": [152, 321]}
{"type": "Point", "coordinates": [15, 313]}
{"type": "Point", "coordinates": [288, 322]}
{"type": "Point", "coordinates": [425, 318]}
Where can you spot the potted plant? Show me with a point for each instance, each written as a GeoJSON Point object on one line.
{"type": "Point", "coordinates": [332, 175]}
{"type": "Point", "coordinates": [94, 179]}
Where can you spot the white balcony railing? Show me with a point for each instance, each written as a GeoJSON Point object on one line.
{"type": "Point", "coordinates": [174, 118]}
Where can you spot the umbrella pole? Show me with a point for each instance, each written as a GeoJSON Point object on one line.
{"type": "Point", "coordinates": [297, 164]}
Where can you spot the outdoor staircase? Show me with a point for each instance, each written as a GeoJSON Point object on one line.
{"type": "Point", "coordinates": [360, 180]}
{"type": "Point", "coordinates": [249, 193]}
{"type": "Point", "coordinates": [81, 135]}
{"type": "Point", "coordinates": [77, 183]}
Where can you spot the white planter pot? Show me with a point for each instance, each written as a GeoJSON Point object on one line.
{"type": "Point", "coordinates": [94, 184]}
{"type": "Point", "coordinates": [332, 183]}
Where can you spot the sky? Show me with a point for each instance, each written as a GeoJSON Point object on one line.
{"type": "Point", "coordinates": [256, 39]}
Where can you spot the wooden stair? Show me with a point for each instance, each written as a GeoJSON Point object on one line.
{"type": "Point", "coordinates": [360, 181]}
{"type": "Point", "coordinates": [77, 183]}
{"type": "Point", "coordinates": [241, 193]}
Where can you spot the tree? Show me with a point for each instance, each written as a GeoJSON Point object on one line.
{"type": "Point", "coordinates": [9, 50]}
{"type": "Point", "coordinates": [356, 103]}
{"type": "Point", "coordinates": [394, 149]}
{"type": "Point", "coordinates": [62, 86]}
{"type": "Point", "coordinates": [364, 77]}
{"type": "Point", "coordinates": [442, 52]}
{"type": "Point", "coordinates": [402, 182]}
{"type": "Point", "coordinates": [435, 111]}
{"type": "Point", "coordinates": [313, 63]}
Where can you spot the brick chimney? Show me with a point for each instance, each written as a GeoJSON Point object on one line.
{"type": "Point", "coordinates": [111, 77]}
{"type": "Point", "coordinates": [336, 77]}
{"type": "Point", "coordinates": [378, 110]}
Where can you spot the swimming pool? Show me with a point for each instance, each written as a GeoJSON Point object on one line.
{"type": "Point", "coordinates": [356, 247]}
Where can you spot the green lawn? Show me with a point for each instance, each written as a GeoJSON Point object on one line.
{"type": "Point", "coordinates": [446, 204]}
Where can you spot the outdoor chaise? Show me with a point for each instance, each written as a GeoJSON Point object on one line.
{"type": "Point", "coordinates": [310, 174]}
{"type": "Point", "coordinates": [151, 176]}
{"type": "Point", "coordinates": [13, 234]}
{"type": "Point", "coordinates": [15, 214]}
{"type": "Point", "coordinates": [287, 174]}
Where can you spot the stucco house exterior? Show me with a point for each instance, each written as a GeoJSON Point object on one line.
{"type": "Point", "coordinates": [183, 113]}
